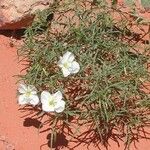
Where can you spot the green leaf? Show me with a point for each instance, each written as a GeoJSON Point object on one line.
{"type": "Point", "coordinates": [114, 2]}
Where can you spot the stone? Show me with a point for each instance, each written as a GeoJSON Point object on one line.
{"type": "Point", "coordinates": [17, 14]}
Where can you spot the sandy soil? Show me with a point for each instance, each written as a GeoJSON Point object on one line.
{"type": "Point", "coordinates": [12, 131]}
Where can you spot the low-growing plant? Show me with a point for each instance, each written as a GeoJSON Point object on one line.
{"type": "Point", "coordinates": [104, 94]}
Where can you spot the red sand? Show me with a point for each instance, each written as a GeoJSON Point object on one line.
{"type": "Point", "coordinates": [12, 131]}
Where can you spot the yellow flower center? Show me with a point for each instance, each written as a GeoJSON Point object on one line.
{"type": "Point", "coordinates": [66, 64]}
{"type": "Point", "coordinates": [52, 102]}
{"type": "Point", "coordinates": [28, 93]}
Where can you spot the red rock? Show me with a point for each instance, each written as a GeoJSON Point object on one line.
{"type": "Point", "coordinates": [16, 14]}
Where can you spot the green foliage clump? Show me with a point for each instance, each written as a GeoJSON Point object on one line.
{"type": "Point", "coordinates": [105, 94]}
{"type": "Point", "coordinates": [145, 3]}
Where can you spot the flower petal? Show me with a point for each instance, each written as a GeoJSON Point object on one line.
{"type": "Point", "coordinates": [68, 55]}
{"type": "Point", "coordinates": [60, 106]}
{"type": "Point", "coordinates": [32, 89]}
{"type": "Point", "coordinates": [34, 100]}
{"type": "Point", "coordinates": [47, 108]}
{"type": "Point", "coordinates": [58, 96]}
{"type": "Point", "coordinates": [22, 88]}
{"type": "Point", "coordinates": [65, 71]}
{"type": "Point", "coordinates": [75, 67]}
{"type": "Point", "coordinates": [71, 57]}
{"type": "Point", "coordinates": [22, 100]}
{"type": "Point", "coordinates": [45, 96]}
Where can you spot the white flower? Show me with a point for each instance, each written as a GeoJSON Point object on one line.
{"type": "Point", "coordinates": [28, 95]}
{"type": "Point", "coordinates": [52, 102]}
{"type": "Point", "coordinates": [68, 65]}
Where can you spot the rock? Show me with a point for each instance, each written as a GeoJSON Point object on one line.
{"type": "Point", "coordinates": [17, 14]}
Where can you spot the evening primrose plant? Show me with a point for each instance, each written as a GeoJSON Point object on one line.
{"type": "Point", "coordinates": [52, 102]}
{"type": "Point", "coordinates": [28, 95]}
{"type": "Point", "coordinates": [86, 72]}
{"type": "Point", "coordinates": [68, 65]}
